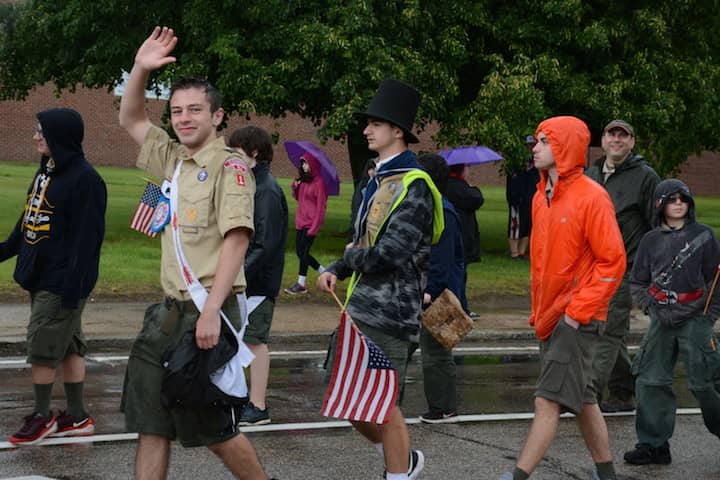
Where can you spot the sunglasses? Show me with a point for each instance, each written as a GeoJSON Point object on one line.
{"type": "Point", "coordinates": [676, 197]}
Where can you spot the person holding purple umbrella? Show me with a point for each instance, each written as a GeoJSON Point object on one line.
{"type": "Point", "coordinates": [310, 192]}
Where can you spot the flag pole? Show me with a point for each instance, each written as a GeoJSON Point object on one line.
{"type": "Point", "coordinates": [712, 290]}
{"type": "Point", "coordinates": [342, 308]}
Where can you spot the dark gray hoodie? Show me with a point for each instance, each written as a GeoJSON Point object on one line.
{"type": "Point", "coordinates": [675, 263]}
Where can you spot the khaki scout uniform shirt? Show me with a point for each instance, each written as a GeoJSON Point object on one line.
{"type": "Point", "coordinates": [216, 194]}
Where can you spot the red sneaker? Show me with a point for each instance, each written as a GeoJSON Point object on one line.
{"type": "Point", "coordinates": [69, 426]}
{"type": "Point", "coordinates": [35, 428]}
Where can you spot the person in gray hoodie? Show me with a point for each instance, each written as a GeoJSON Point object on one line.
{"type": "Point", "coordinates": [673, 280]}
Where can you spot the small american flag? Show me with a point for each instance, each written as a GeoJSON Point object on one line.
{"type": "Point", "coordinates": [364, 384]}
{"type": "Point", "coordinates": [142, 218]}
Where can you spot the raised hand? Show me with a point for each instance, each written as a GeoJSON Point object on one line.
{"type": "Point", "coordinates": [155, 50]}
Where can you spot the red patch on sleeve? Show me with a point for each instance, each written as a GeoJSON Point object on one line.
{"type": "Point", "coordinates": [235, 164]}
{"type": "Point", "coordinates": [241, 179]}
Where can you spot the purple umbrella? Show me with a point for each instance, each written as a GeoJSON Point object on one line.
{"type": "Point", "coordinates": [473, 155]}
{"type": "Point", "coordinates": [328, 172]}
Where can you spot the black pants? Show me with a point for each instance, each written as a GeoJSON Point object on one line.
{"type": "Point", "coordinates": [303, 242]}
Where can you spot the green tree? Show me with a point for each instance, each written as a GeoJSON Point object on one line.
{"type": "Point", "coordinates": [489, 70]}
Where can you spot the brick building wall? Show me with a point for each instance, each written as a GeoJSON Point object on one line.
{"type": "Point", "coordinates": [108, 144]}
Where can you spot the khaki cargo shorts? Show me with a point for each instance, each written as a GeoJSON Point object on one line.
{"type": "Point", "coordinates": [163, 326]}
{"type": "Point", "coordinates": [259, 323]}
{"type": "Point", "coordinates": [54, 332]}
{"type": "Point", "coordinates": [566, 371]}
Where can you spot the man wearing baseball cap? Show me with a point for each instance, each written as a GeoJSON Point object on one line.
{"type": "Point", "coordinates": [630, 181]}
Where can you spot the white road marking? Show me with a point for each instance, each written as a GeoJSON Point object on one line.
{"type": "Point", "coordinates": [16, 362]}
{"type": "Point", "coordinates": [291, 427]}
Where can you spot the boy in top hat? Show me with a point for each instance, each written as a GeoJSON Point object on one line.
{"type": "Point", "coordinates": [399, 217]}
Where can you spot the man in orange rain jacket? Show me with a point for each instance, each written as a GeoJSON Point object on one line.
{"type": "Point", "coordinates": [577, 262]}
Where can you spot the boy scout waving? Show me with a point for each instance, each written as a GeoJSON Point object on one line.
{"type": "Point", "coordinates": [213, 224]}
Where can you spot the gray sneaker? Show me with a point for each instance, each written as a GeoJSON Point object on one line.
{"type": "Point", "coordinates": [506, 476]}
{"type": "Point", "coordinates": [252, 415]}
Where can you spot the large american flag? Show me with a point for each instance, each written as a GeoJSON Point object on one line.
{"type": "Point", "coordinates": [142, 218]}
{"type": "Point", "coordinates": [364, 384]}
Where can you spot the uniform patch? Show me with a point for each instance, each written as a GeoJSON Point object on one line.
{"type": "Point", "coordinates": [161, 217]}
{"type": "Point", "coordinates": [191, 214]}
{"type": "Point", "coordinates": [241, 179]}
{"type": "Point", "coordinates": [202, 175]}
{"type": "Point", "coordinates": [235, 164]}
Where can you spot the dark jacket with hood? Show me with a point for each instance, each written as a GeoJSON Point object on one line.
{"type": "Point", "coordinates": [265, 257]}
{"type": "Point", "coordinates": [358, 196]}
{"type": "Point", "coordinates": [671, 262]}
{"type": "Point", "coordinates": [467, 200]}
{"type": "Point", "coordinates": [631, 187]}
{"type": "Point", "coordinates": [58, 237]}
{"type": "Point", "coordinates": [447, 268]}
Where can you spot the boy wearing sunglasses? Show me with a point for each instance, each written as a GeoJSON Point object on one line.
{"type": "Point", "coordinates": [672, 280]}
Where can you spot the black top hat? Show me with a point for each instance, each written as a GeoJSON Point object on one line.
{"type": "Point", "coordinates": [395, 102]}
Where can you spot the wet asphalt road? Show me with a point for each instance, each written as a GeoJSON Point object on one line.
{"type": "Point", "coordinates": [477, 449]}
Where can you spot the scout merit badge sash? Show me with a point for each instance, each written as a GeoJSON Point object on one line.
{"type": "Point", "coordinates": [230, 378]}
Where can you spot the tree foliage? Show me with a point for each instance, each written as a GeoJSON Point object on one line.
{"type": "Point", "coordinates": [489, 70]}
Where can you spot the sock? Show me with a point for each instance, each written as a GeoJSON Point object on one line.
{"type": "Point", "coordinates": [301, 280]}
{"type": "Point", "coordinates": [74, 394]}
{"type": "Point", "coordinates": [520, 474]}
{"type": "Point", "coordinates": [321, 269]}
{"type": "Point", "coordinates": [381, 450]}
{"type": "Point", "coordinates": [606, 471]}
{"type": "Point", "coordinates": [397, 476]}
{"type": "Point", "coordinates": [43, 392]}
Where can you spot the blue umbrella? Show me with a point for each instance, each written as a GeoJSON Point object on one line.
{"type": "Point", "coordinates": [470, 155]}
{"type": "Point", "coordinates": [328, 172]}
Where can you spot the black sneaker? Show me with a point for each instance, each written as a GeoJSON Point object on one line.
{"type": "Point", "coordinates": [645, 454]}
{"type": "Point", "coordinates": [614, 405]}
{"type": "Point", "coordinates": [436, 416]}
{"type": "Point", "coordinates": [417, 463]}
{"type": "Point", "coordinates": [252, 415]}
{"type": "Point", "coordinates": [295, 289]}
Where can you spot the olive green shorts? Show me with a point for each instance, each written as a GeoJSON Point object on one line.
{"type": "Point", "coordinates": [163, 326]}
{"type": "Point", "coordinates": [53, 332]}
{"type": "Point", "coordinates": [259, 323]}
{"type": "Point", "coordinates": [566, 371]}
{"type": "Point", "coordinates": [396, 350]}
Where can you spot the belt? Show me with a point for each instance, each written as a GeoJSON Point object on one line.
{"type": "Point", "coordinates": [669, 297]}
{"type": "Point", "coordinates": [189, 306]}
{"type": "Point", "coordinates": [180, 305]}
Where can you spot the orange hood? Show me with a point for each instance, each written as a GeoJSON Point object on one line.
{"type": "Point", "coordinates": [577, 257]}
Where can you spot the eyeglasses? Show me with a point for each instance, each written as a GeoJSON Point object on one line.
{"type": "Point", "coordinates": [37, 130]}
{"type": "Point", "coordinates": [678, 196]}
